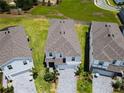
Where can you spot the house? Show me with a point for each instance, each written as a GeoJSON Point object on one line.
{"type": "Point", "coordinates": [15, 54]}
{"type": "Point", "coordinates": [106, 49]}
{"type": "Point", "coordinates": [62, 47]}
{"type": "Point", "coordinates": [119, 1]}
{"type": "Point", "coordinates": [121, 15]}
{"type": "Point", "coordinates": [53, 2]}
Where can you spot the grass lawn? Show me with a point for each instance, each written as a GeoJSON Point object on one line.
{"type": "Point", "coordinates": [83, 10]}
{"type": "Point", "coordinates": [84, 85]}
{"type": "Point", "coordinates": [37, 29]}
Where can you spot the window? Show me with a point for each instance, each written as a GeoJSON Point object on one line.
{"type": "Point", "coordinates": [64, 60]}
{"type": "Point", "coordinates": [50, 54]}
{"type": "Point", "coordinates": [101, 63]}
{"type": "Point", "coordinates": [25, 62]}
{"type": "Point", "coordinates": [60, 55]}
{"type": "Point", "coordinates": [9, 67]}
{"type": "Point", "coordinates": [73, 58]}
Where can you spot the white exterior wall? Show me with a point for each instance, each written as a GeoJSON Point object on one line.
{"type": "Point", "coordinates": [70, 62]}
{"type": "Point", "coordinates": [17, 66]}
{"type": "Point", "coordinates": [68, 59]}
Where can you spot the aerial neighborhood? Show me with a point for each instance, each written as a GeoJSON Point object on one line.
{"type": "Point", "coordinates": [61, 46]}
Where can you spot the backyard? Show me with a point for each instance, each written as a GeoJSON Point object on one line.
{"type": "Point", "coordinates": [37, 29]}
{"type": "Point", "coordinates": [83, 10]}
{"type": "Point", "coordinates": [84, 82]}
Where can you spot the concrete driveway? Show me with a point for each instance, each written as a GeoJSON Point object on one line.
{"type": "Point", "coordinates": [67, 81]}
{"type": "Point", "coordinates": [22, 83]}
{"type": "Point", "coordinates": [103, 4]}
{"type": "Point", "coordinates": [102, 84]}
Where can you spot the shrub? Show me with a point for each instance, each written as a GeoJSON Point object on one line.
{"type": "Point", "coordinates": [117, 84]}
{"type": "Point", "coordinates": [35, 73]}
{"type": "Point", "coordinates": [4, 6]}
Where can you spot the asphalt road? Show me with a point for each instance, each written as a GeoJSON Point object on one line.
{"type": "Point", "coordinates": [103, 4]}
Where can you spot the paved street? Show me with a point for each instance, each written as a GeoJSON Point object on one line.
{"type": "Point", "coordinates": [67, 81]}
{"type": "Point", "coordinates": [22, 83]}
{"type": "Point", "coordinates": [102, 84]}
{"type": "Point", "coordinates": [103, 4]}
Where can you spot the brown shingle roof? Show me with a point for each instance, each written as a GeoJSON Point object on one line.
{"type": "Point", "coordinates": [63, 38]}
{"type": "Point", "coordinates": [107, 41]}
{"type": "Point", "coordinates": [13, 43]}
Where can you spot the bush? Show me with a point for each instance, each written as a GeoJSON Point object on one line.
{"type": "Point", "coordinates": [49, 77]}
{"type": "Point", "coordinates": [25, 4]}
{"type": "Point", "coordinates": [35, 73]}
{"type": "Point", "coordinates": [4, 6]}
{"type": "Point", "coordinates": [117, 84]}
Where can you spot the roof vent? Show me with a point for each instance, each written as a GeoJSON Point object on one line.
{"type": "Point", "coordinates": [60, 32]}
{"type": "Point", "coordinates": [105, 25]}
{"type": "Point", "coordinates": [60, 22]}
{"type": "Point", "coordinates": [114, 61]}
{"type": "Point", "coordinates": [64, 33]}
{"type": "Point", "coordinates": [8, 31]}
{"type": "Point", "coordinates": [63, 21]}
{"type": "Point", "coordinates": [109, 35]}
{"type": "Point", "coordinates": [113, 35]}
{"type": "Point", "coordinates": [5, 32]}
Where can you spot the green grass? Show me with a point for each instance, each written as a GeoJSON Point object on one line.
{"type": "Point", "coordinates": [37, 29]}
{"type": "Point", "coordinates": [83, 10]}
{"type": "Point", "coordinates": [84, 85]}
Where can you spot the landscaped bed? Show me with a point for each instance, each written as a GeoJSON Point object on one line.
{"type": "Point", "coordinates": [83, 10]}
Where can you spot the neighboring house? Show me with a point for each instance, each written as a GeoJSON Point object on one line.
{"type": "Point", "coordinates": [62, 48]}
{"type": "Point", "coordinates": [119, 1]}
{"type": "Point", "coordinates": [121, 15]}
{"type": "Point", "coordinates": [15, 54]}
{"type": "Point", "coordinates": [53, 2]}
{"type": "Point", "coordinates": [106, 49]}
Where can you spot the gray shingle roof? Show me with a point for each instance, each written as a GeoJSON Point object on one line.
{"type": "Point", "coordinates": [107, 41]}
{"type": "Point", "coordinates": [13, 43]}
{"type": "Point", "coordinates": [62, 38]}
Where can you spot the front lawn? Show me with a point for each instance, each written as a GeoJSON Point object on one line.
{"type": "Point", "coordinates": [37, 30]}
{"type": "Point", "coordinates": [84, 83]}
{"type": "Point", "coordinates": [83, 10]}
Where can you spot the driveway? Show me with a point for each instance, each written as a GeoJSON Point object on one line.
{"type": "Point", "coordinates": [102, 84]}
{"type": "Point", "coordinates": [22, 83]}
{"type": "Point", "coordinates": [103, 4]}
{"type": "Point", "coordinates": [67, 81]}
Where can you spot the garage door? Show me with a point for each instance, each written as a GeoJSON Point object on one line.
{"type": "Point", "coordinates": [103, 72]}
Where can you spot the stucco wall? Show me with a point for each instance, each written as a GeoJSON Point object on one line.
{"type": "Point", "coordinates": [17, 66]}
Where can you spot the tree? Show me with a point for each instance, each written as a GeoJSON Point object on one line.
{"type": "Point", "coordinates": [25, 4]}
{"type": "Point", "coordinates": [57, 2]}
{"type": "Point", "coordinates": [4, 6]}
{"type": "Point", "coordinates": [43, 2]}
{"type": "Point", "coordinates": [49, 3]}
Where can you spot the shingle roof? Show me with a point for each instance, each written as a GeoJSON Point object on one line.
{"type": "Point", "coordinates": [13, 43]}
{"type": "Point", "coordinates": [107, 41]}
{"type": "Point", "coordinates": [63, 38]}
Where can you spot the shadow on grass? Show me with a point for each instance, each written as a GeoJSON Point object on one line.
{"type": "Point", "coordinates": [86, 56]}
